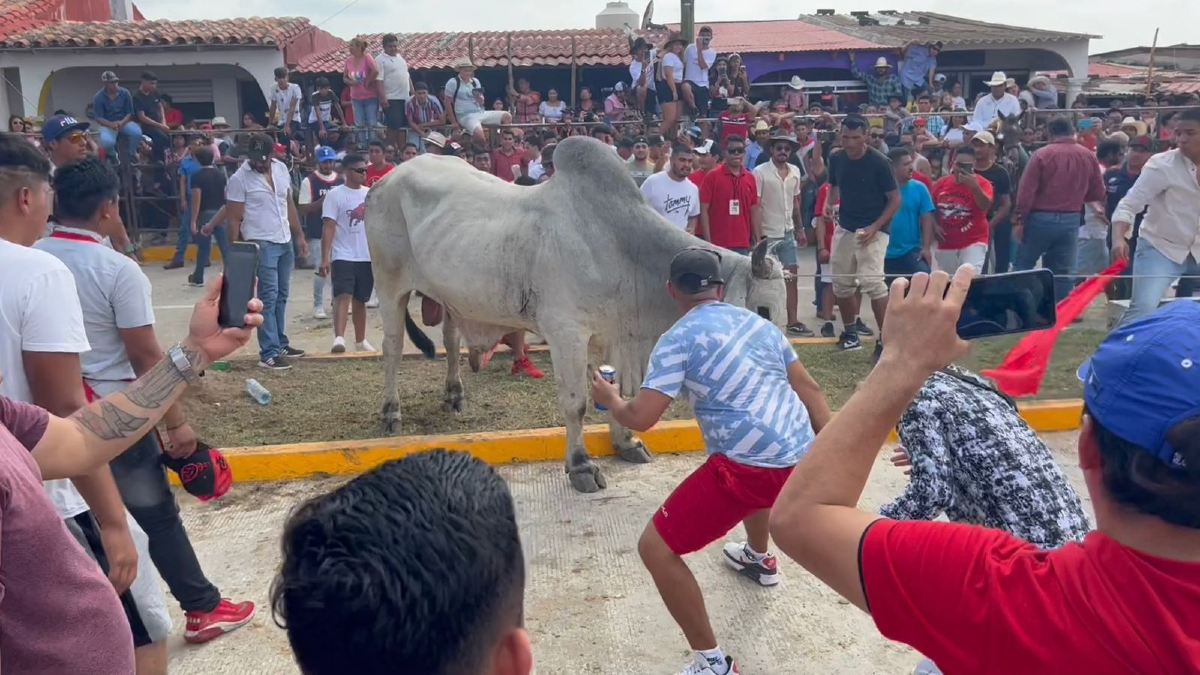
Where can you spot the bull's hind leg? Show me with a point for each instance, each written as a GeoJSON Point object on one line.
{"type": "Point", "coordinates": [629, 447]}
{"type": "Point", "coordinates": [392, 307]}
{"type": "Point", "coordinates": [568, 353]}
{"type": "Point", "coordinates": [453, 401]}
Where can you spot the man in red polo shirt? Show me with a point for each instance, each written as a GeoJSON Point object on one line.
{"type": "Point", "coordinates": [977, 600]}
{"type": "Point", "coordinates": [377, 166]}
{"type": "Point", "coordinates": [729, 213]}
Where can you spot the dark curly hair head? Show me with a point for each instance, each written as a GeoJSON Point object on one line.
{"type": "Point", "coordinates": [415, 567]}
{"type": "Point", "coordinates": [80, 189]}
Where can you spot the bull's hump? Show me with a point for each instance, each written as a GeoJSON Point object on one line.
{"type": "Point", "coordinates": [593, 170]}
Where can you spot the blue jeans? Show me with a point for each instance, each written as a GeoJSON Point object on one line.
{"type": "Point", "coordinates": [131, 132]}
{"type": "Point", "coordinates": [275, 263]}
{"type": "Point", "coordinates": [204, 245]}
{"type": "Point", "coordinates": [1053, 238]}
{"type": "Point", "coordinates": [366, 117]}
{"type": "Point", "coordinates": [1155, 272]}
{"type": "Point", "coordinates": [185, 236]}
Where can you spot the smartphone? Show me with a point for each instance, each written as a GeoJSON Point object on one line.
{"type": "Point", "coordinates": [1000, 304]}
{"type": "Point", "coordinates": [237, 288]}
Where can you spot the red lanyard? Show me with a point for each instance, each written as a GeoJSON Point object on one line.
{"type": "Point", "coordinates": [73, 236]}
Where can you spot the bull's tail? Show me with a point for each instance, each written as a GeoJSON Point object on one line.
{"type": "Point", "coordinates": [419, 339]}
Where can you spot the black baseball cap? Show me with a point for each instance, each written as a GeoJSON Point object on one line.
{"type": "Point", "coordinates": [260, 148]}
{"type": "Point", "coordinates": [695, 270]}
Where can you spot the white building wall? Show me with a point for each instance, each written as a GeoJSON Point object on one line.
{"type": "Point", "coordinates": [74, 75]}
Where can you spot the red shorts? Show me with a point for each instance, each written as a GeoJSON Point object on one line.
{"type": "Point", "coordinates": [715, 498]}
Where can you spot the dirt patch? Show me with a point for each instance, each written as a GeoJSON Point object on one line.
{"type": "Point", "coordinates": [340, 400]}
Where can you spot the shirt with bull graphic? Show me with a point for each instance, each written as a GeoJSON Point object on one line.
{"type": "Point", "coordinates": [346, 206]}
{"type": "Point", "coordinates": [962, 221]}
{"type": "Point", "coordinates": [732, 364]}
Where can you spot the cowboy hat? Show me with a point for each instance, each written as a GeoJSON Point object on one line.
{"type": "Point", "coordinates": [882, 62]}
{"type": "Point", "coordinates": [463, 63]}
{"type": "Point", "coordinates": [1039, 79]}
{"type": "Point", "coordinates": [787, 138]}
{"type": "Point", "coordinates": [760, 125]}
{"type": "Point", "coordinates": [999, 79]}
{"type": "Point", "coordinates": [674, 36]}
{"type": "Point", "coordinates": [219, 122]}
{"type": "Point", "coordinates": [435, 138]}
{"type": "Point", "coordinates": [797, 83]}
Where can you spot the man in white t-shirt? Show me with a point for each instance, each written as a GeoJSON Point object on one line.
{"type": "Point", "coordinates": [397, 85]}
{"type": "Point", "coordinates": [641, 73]}
{"type": "Point", "coordinates": [285, 105]}
{"type": "Point", "coordinates": [344, 253]}
{"type": "Point", "coordinates": [697, 59]}
{"type": "Point", "coordinates": [998, 104]}
{"type": "Point", "coordinates": [671, 193]}
{"type": "Point", "coordinates": [41, 337]}
{"type": "Point", "coordinates": [780, 185]}
{"type": "Point", "coordinates": [464, 103]}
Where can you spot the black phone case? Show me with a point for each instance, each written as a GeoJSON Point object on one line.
{"type": "Point", "coordinates": [237, 287]}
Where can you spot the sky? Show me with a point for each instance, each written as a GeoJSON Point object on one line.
{"type": "Point", "coordinates": [1119, 29]}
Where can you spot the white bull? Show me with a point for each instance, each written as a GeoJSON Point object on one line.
{"type": "Point", "coordinates": [581, 260]}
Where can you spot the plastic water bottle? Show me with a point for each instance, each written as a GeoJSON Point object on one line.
{"type": "Point", "coordinates": [258, 392]}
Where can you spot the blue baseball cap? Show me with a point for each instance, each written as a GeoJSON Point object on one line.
{"type": "Point", "coordinates": [326, 154]}
{"type": "Point", "coordinates": [59, 125]}
{"type": "Point", "coordinates": [1145, 378]}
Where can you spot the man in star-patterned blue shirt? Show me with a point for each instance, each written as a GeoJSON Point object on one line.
{"type": "Point", "coordinates": [757, 408]}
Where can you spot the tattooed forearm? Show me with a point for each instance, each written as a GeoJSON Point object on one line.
{"type": "Point", "coordinates": [154, 389]}
{"type": "Point", "coordinates": [108, 422]}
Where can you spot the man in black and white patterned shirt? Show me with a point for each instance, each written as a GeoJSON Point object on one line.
{"type": "Point", "coordinates": [976, 460]}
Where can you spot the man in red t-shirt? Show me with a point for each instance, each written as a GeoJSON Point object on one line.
{"type": "Point", "coordinates": [961, 202]}
{"type": "Point", "coordinates": [975, 600]}
{"type": "Point", "coordinates": [729, 213]}
{"type": "Point", "coordinates": [506, 159]}
{"type": "Point", "coordinates": [706, 157]}
{"type": "Point", "coordinates": [377, 164]}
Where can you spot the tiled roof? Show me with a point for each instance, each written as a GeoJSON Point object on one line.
{"type": "Point", "coordinates": [894, 29]}
{"type": "Point", "coordinates": [21, 15]}
{"type": "Point", "coordinates": [593, 47]}
{"type": "Point", "coordinates": [240, 32]}
{"type": "Point", "coordinates": [1179, 87]}
{"type": "Point", "coordinates": [786, 35]}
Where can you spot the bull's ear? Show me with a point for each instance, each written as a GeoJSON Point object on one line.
{"type": "Point", "coordinates": [760, 266]}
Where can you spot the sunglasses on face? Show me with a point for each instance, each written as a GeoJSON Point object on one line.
{"type": "Point", "coordinates": [77, 137]}
{"type": "Point", "coordinates": [357, 169]}
{"type": "Point", "coordinates": [735, 151]}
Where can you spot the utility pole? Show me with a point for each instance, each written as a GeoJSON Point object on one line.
{"type": "Point", "coordinates": [687, 19]}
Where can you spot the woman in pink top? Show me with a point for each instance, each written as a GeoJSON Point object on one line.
{"type": "Point", "coordinates": [362, 77]}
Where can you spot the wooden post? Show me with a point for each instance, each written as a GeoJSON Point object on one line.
{"type": "Point", "coordinates": [687, 19]}
{"type": "Point", "coordinates": [510, 93]}
{"type": "Point", "coordinates": [574, 74]}
{"type": "Point", "coordinates": [1150, 68]}
{"type": "Point", "coordinates": [471, 49]}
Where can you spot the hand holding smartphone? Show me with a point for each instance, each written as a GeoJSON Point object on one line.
{"type": "Point", "coordinates": [237, 285]}
{"type": "Point", "coordinates": [1002, 304]}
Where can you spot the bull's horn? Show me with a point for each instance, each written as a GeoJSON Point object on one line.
{"type": "Point", "coordinates": [760, 267]}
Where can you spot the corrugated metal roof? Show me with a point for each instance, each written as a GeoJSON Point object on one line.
{"type": "Point", "coordinates": [593, 47]}
{"type": "Point", "coordinates": [785, 35]}
{"type": "Point", "coordinates": [1102, 70]}
{"type": "Point", "coordinates": [895, 29]}
{"type": "Point", "coordinates": [1180, 87]}
{"type": "Point", "coordinates": [253, 31]}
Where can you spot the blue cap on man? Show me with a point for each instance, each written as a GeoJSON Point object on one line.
{"type": "Point", "coordinates": [1144, 379]}
{"type": "Point", "coordinates": [325, 153]}
{"type": "Point", "coordinates": [60, 125]}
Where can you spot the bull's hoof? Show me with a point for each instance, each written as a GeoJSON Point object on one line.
{"type": "Point", "coordinates": [587, 479]}
{"type": "Point", "coordinates": [634, 452]}
{"type": "Point", "coordinates": [389, 419]}
{"type": "Point", "coordinates": [453, 403]}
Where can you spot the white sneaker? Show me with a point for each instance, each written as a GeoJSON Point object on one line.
{"type": "Point", "coordinates": [702, 667]}
{"type": "Point", "coordinates": [363, 346]}
{"type": "Point", "coordinates": [373, 301]}
{"type": "Point", "coordinates": [764, 572]}
{"type": "Point", "coordinates": [339, 345]}
{"type": "Point", "coordinates": [319, 312]}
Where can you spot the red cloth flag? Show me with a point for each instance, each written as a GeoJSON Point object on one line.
{"type": "Point", "coordinates": [1022, 371]}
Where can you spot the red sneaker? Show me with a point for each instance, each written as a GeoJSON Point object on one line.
{"type": "Point", "coordinates": [226, 617]}
{"type": "Point", "coordinates": [524, 365]}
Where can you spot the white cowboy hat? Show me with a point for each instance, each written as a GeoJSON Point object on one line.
{"type": "Point", "coordinates": [882, 62]}
{"type": "Point", "coordinates": [436, 138]}
{"type": "Point", "coordinates": [797, 83]}
{"type": "Point", "coordinates": [999, 79]}
{"type": "Point", "coordinates": [219, 121]}
{"type": "Point", "coordinates": [463, 63]}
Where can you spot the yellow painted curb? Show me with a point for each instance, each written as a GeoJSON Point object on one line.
{"type": "Point", "coordinates": [297, 461]}
{"type": "Point", "coordinates": [164, 254]}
